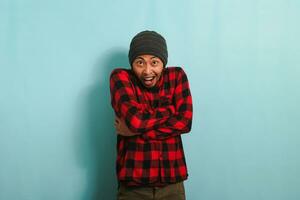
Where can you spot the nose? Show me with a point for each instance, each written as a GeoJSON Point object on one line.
{"type": "Point", "coordinates": [147, 69]}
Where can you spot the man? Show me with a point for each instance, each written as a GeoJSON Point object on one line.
{"type": "Point", "coordinates": [153, 107]}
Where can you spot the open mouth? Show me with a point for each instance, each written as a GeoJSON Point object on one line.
{"type": "Point", "coordinates": [149, 81]}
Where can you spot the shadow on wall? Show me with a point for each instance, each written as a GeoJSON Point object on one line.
{"type": "Point", "coordinates": [96, 138]}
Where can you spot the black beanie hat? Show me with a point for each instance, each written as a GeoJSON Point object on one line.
{"type": "Point", "coordinates": [148, 42]}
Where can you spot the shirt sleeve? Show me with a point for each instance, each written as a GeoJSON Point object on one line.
{"type": "Point", "coordinates": [126, 106]}
{"type": "Point", "coordinates": [181, 121]}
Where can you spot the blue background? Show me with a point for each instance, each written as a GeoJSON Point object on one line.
{"type": "Point", "coordinates": [56, 125]}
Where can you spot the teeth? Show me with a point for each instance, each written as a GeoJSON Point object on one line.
{"type": "Point", "coordinates": [149, 79]}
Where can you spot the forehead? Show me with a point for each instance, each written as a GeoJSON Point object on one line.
{"type": "Point", "coordinates": [146, 57]}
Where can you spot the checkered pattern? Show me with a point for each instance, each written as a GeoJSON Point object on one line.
{"type": "Point", "coordinates": [159, 115]}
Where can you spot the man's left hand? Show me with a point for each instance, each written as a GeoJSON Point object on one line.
{"type": "Point", "coordinates": [122, 128]}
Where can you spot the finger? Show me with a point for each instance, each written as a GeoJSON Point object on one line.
{"type": "Point", "coordinates": [120, 133]}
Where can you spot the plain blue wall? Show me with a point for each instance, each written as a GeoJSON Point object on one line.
{"type": "Point", "coordinates": [56, 124]}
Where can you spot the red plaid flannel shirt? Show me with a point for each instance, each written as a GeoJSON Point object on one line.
{"type": "Point", "coordinates": [159, 115]}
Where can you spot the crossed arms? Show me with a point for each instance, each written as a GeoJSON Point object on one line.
{"type": "Point", "coordinates": [168, 120]}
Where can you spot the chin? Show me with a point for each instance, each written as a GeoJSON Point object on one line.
{"type": "Point", "coordinates": [147, 86]}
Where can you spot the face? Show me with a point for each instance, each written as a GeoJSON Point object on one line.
{"type": "Point", "coordinates": [148, 69]}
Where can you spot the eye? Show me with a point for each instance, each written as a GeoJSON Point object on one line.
{"type": "Point", "coordinates": [139, 62]}
{"type": "Point", "coordinates": [155, 62]}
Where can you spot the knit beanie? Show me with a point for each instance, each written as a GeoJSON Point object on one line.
{"type": "Point", "coordinates": [148, 42]}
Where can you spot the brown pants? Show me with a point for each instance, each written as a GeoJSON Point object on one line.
{"type": "Point", "coordinates": [170, 192]}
